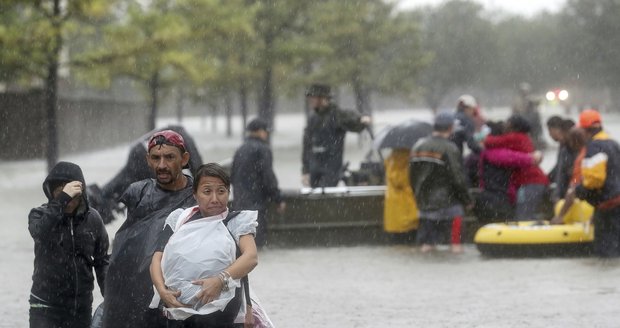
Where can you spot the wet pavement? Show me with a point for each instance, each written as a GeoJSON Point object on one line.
{"type": "Point", "coordinates": [369, 286]}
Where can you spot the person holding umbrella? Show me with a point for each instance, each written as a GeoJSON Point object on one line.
{"type": "Point", "coordinates": [400, 212]}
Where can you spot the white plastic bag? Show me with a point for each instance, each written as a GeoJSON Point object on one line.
{"type": "Point", "coordinates": [198, 249]}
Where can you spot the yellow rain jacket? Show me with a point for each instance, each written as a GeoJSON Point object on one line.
{"type": "Point", "coordinates": [400, 213]}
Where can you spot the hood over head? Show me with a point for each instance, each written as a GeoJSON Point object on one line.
{"type": "Point", "coordinates": [61, 173]}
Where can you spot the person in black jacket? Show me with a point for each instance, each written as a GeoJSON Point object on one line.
{"type": "Point", "coordinates": [323, 140]}
{"type": "Point", "coordinates": [438, 182]}
{"type": "Point", "coordinates": [70, 241]}
{"type": "Point", "coordinates": [254, 182]}
{"type": "Point", "coordinates": [128, 282]}
{"type": "Point", "coordinates": [563, 170]}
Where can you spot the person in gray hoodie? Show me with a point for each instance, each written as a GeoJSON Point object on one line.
{"type": "Point", "coordinates": [70, 241]}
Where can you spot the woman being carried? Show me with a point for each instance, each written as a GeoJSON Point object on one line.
{"type": "Point", "coordinates": [202, 254]}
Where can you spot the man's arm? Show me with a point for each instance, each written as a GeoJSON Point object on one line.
{"type": "Point", "coordinates": [507, 158]}
{"type": "Point", "coordinates": [306, 150]}
{"type": "Point", "coordinates": [270, 181]}
{"type": "Point", "coordinates": [349, 120]}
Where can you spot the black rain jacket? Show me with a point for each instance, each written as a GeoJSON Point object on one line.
{"type": "Point", "coordinates": [129, 289]}
{"type": "Point", "coordinates": [67, 247]}
{"type": "Point", "coordinates": [436, 175]}
{"type": "Point", "coordinates": [254, 182]}
{"type": "Point", "coordinates": [323, 140]}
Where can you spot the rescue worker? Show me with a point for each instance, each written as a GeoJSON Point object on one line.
{"type": "Point", "coordinates": [438, 182]}
{"type": "Point", "coordinates": [323, 138]}
{"type": "Point", "coordinates": [600, 185]}
{"type": "Point", "coordinates": [254, 183]}
{"type": "Point", "coordinates": [149, 201]}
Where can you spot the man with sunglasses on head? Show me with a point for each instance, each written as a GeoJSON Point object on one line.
{"type": "Point", "coordinates": [149, 201]}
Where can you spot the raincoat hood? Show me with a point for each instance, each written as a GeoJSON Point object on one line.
{"type": "Point", "coordinates": [64, 172]}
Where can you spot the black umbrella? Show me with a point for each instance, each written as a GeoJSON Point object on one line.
{"type": "Point", "coordinates": [402, 135]}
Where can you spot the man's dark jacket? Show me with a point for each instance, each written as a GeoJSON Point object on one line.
{"type": "Point", "coordinates": [67, 247]}
{"type": "Point", "coordinates": [436, 175]}
{"type": "Point", "coordinates": [254, 182]}
{"type": "Point", "coordinates": [323, 140]}
{"type": "Point", "coordinates": [129, 289]}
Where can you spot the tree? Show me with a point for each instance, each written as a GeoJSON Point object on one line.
{"type": "Point", "coordinates": [224, 38]}
{"type": "Point", "coordinates": [32, 34]}
{"type": "Point", "coordinates": [461, 43]}
{"type": "Point", "coordinates": [592, 35]}
{"type": "Point", "coordinates": [277, 25]}
{"type": "Point", "coordinates": [148, 45]}
{"type": "Point", "coordinates": [364, 38]}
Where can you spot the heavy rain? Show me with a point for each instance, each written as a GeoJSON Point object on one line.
{"type": "Point", "coordinates": [90, 81]}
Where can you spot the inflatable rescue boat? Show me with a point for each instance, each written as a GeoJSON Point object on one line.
{"type": "Point", "coordinates": [534, 238]}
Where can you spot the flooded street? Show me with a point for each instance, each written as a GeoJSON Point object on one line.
{"type": "Point", "coordinates": [364, 286]}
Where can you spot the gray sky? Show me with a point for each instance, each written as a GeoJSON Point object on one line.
{"type": "Point", "coordinates": [523, 7]}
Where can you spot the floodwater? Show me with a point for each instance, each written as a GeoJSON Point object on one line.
{"type": "Point", "coordinates": [364, 286]}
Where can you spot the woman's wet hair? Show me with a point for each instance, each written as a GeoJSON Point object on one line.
{"type": "Point", "coordinates": [211, 170]}
{"type": "Point", "coordinates": [518, 123]}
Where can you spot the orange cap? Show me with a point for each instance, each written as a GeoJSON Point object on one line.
{"type": "Point", "coordinates": [589, 117]}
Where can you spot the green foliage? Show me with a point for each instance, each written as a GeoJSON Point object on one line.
{"type": "Point", "coordinates": [366, 45]}
{"type": "Point", "coordinates": [592, 41]}
{"type": "Point", "coordinates": [30, 33]}
{"type": "Point", "coordinates": [462, 47]}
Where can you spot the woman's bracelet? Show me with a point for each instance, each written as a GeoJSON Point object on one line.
{"type": "Point", "coordinates": [224, 277]}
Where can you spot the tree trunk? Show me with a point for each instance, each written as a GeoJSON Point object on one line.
{"type": "Point", "coordinates": [214, 109]}
{"type": "Point", "coordinates": [266, 98]}
{"type": "Point", "coordinates": [154, 89]}
{"type": "Point", "coordinates": [265, 103]}
{"type": "Point", "coordinates": [51, 90]}
{"type": "Point", "coordinates": [228, 107]}
{"type": "Point", "coordinates": [362, 97]}
{"type": "Point", "coordinates": [243, 99]}
{"type": "Point", "coordinates": [180, 103]}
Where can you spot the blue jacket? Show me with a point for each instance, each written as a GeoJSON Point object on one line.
{"type": "Point", "coordinates": [600, 170]}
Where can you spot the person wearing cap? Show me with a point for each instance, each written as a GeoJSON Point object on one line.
{"type": "Point", "coordinates": [600, 184]}
{"type": "Point", "coordinates": [254, 182]}
{"type": "Point", "coordinates": [465, 127]}
{"type": "Point", "coordinates": [105, 198]}
{"type": "Point", "coordinates": [149, 201]}
{"type": "Point", "coordinates": [323, 138]}
{"type": "Point", "coordinates": [70, 241]}
{"type": "Point", "coordinates": [438, 182]}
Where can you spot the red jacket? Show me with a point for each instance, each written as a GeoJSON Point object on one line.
{"type": "Point", "coordinates": [518, 142]}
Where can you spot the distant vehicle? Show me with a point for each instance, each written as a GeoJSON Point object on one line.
{"type": "Point", "coordinates": [557, 95]}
